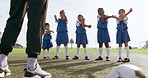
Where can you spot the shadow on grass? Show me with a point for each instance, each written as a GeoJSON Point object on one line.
{"type": "Point", "coordinates": [90, 71]}
{"type": "Point", "coordinates": [41, 62]}
{"type": "Point", "coordinates": [65, 66]}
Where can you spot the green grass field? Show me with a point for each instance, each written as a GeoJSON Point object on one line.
{"type": "Point", "coordinates": [81, 68]}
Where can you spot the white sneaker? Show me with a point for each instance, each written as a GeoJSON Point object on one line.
{"type": "Point", "coordinates": [37, 73]}
{"type": "Point", "coordinates": [5, 71]}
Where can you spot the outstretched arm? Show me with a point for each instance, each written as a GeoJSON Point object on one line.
{"type": "Point", "coordinates": [49, 31]}
{"type": "Point", "coordinates": [104, 18]}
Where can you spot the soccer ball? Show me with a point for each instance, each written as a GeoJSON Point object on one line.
{"type": "Point", "coordinates": [126, 71]}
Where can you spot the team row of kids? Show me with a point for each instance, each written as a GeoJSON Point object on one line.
{"type": "Point", "coordinates": [122, 35]}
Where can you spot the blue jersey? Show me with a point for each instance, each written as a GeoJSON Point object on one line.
{"type": "Point", "coordinates": [79, 28]}
{"type": "Point", "coordinates": [122, 25]}
{"type": "Point", "coordinates": [100, 24]}
{"type": "Point", "coordinates": [62, 25]}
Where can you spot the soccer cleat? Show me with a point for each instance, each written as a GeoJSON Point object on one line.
{"type": "Point", "coordinates": [55, 57]}
{"type": "Point", "coordinates": [107, 59]}
{"type": "Point", "coordinates": [99, 58]}
{"type": "Point", "coordinates": [5, 71]}
{"type": "Point", "coordinates": [75, 58]}
{"type": "Point", "coordinates": [86, 58]}
{"type": "Point", "coordinates": [37, 73]}
{"type": "Point", "coordinates": [67, 57]}
{"type": "Point", "coordinates": [120, 60]}
{"type": "Point", "coordinates": [126, 60]}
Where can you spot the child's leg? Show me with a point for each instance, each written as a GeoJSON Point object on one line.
{"type": "Point", "coordinates": [107, 49]}
{"type": "Point", "coordinates": [100, 49]}
{"type": "Point", "coordinates": [85, 51]}
{"type": "Point", "coordinates": [44, 53]}
{"type": "Point", "coordinates": [120, 50]}
{"type": "Point", "coordinates": [66, 49]}
{"type": "Point", "coordinates": [127, 50]}
{"type": "Point", "coordinates": [57, 49]}
{"type": "Point", "coordinates": [48, 52]}
{"type": "Point", "coordinates": [78, 49]}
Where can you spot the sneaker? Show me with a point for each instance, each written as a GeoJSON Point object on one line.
{"type": "Point", "coordinates": [48, 57]}
{"type": "Point", "coordinates": [107, 59]}
{"type": "Point", "coordinates": [67, 57]}
{"type": "Point", "coordinates": [126, 60]}
{"type": "Point", "coordinates": [99, 58]}
{"type": "Point", "coordinates": [86, 58]}
{"type": "Point", "coordinates": [120, 60]}
{"type": "Point", "coordinates": [5, 71]}
{"type": "Point", "coordinates": [55, 57]}
{"type": "Point", "coordinates": [75, 58]}
{"type": "Point", "coordinates": [37, 73]}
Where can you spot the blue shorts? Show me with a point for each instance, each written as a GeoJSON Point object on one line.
{"type": "Point", "coordinates": [47, 44]}
{"type": "Point", "coordinates": [62, 38]}
{"type": "Point", "coordinates": [103, 36]}
{"type": "Point", "coordinates": [122, 37]}
{"type": "Point", "coordinates": [81, 39]}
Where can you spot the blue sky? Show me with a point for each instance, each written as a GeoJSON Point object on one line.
{"type": "Point", "coordinates": [88, 8]}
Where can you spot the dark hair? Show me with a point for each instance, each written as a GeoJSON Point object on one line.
{"type": "Point", "coordinates": [122, 10]}
{"type": "Point", "coordinates": [79, 15]}
{"type": "Point", "coordinates": [46, 24]}
{"type": "Point", "coordinates": [100, 9]}
{"type": "Point", "coordinates": [61, 11]}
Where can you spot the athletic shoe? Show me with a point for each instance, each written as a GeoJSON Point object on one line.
{"type": "Point", "coordinates": [107, 59]}
{"type": "Point", "coordinates": [5, 71]}
{"type": "Point", "coordinates": [126, 60]}
{"type": "Point", "coordinates": [37, 73]}
{"type": "Point", "coordinates": [120, 60]}
{"type": "Point", "coordinates": [86, 58]}
{"type": "Point", "coordinates": [99, 58]}
{"type": "Point", "coordinates": [67, 57]}
{"type": "Point", "coordinates": [55, 57]}
{"type": "Point", "coordinates": [75, 58]}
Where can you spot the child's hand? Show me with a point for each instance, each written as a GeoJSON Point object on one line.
{"type": "Point", "coordinates": [89, 26]}
{"type": "Point", "coordinates": [55, 16]}
{"type": "Point", "coordinates": [130, 10]}
{"type": "Point", "coordinates": [113, 16]}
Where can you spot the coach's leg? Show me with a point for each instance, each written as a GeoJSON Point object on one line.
{"type": "Point", "coordinates": [11, 32]}
{"type": "Point", "coordinates": [34, 39]}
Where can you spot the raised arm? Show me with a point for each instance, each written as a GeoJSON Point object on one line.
{"type": "Point", "coordinates": [55, 17]}
{"type": "Point", "coordinates": [122, 17]}
{"type": "Point", "coordinates": [127, 13]}
{"type": "Point", "coordinates": [65, 18]}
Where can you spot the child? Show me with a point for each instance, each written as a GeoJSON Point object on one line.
{"type": "Point", "coordinates": [81, 37]}
{"type": "Point", "coordinates": [47, 41]}
{"type": "Point", "coordinates": [62, 35]}
{"type": "Point", "coordinates": [103, 35]}
{"type": "Point", "coordinates": [122, 34]}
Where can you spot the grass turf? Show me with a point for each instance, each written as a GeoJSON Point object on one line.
{"type": "Point", "coordinates": [62, 68]}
